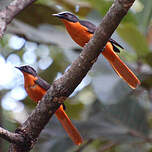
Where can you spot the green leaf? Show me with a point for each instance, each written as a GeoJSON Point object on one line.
{"type": "Point", "coordinates": [134, 38]}
{"type": "Point", "coordinates": [130, 57]}
{"type": "Point", "coordinates": [83, 7]}
{"type": "Point", "coordinates": [37, 14]}
{"type": "Point", "coordinates": [147, 81]}
{"type": "Point", "coordinates": [103, 6]}
{"type": "Point", "coordinates": [145, 16]}
{"type": "Point", "coordinates": [148, 58]}
{"type": "Point", "coordinates": [118, 120]}
{"type": "Point", "coordinates": [132, 148]}
{"type": "Point", "coordinates": [74, 110]}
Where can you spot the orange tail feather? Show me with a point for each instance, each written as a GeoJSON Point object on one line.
{"type": "Point", "coordinates": [68, 126]}
{"type": "Point", "coordinates": [121, 69]}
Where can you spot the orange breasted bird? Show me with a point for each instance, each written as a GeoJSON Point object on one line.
{"type": "Point", "coordinates": [81, 32]}
{"type": "Point", "coordinates": [36, 88]}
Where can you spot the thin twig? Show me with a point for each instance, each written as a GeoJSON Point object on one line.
{"type": "Point", "coordinates": [9, 12]}
{"type": "Point", "coordinates": [84, 145]}
{"type": "Point", "coordinates": [11, 137]}
{"type": "Point", "coordinates": [107, 146]}
{"type": "Point", "coordinates": [138, 134]}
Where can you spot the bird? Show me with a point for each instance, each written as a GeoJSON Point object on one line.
{"type": "Point", "coordinates": [36, 87]}
{"type": "Point", "coordinates": [81, 31]}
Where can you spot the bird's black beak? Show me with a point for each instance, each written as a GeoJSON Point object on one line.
{"type": "Point", "coordinates": [20, 68]}
{"type": "Point", "coordinates": [17, 68]}
{"type": "Point", "coordinates": [57, 15]}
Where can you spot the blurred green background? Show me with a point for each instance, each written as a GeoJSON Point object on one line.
{"type": "Point", "coordinates": [104, 109]}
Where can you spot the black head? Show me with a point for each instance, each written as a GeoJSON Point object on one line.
{"type": "Point", "coordinates": [67, 16]}
{"type": "Point", "coordinates": [27, 69]}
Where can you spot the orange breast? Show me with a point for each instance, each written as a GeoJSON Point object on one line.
{"type": "Point", "coordinates": [78, 32]}
{"type": "Point", "coordinates": [35, 92]}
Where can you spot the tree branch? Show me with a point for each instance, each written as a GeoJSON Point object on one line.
{"type": "Point", "coordinates": [81, 148]}
{"type": "Point", "coordinates": [139, 135]}
{"type": "Point", "coordinates": [107, 146]}
{"type": "Point", "coordinates": [11, 137]}
{"type": "Point", "coordinates": [63, 87]}
{"type": "Point", "coordinates": [9, 12]}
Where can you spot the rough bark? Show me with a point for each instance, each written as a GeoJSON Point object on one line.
{"type": "Point", "coordinates": [11, 137]}
{"type": "Point", "coordinates": [9, 12]}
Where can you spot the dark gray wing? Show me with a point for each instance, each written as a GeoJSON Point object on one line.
{"type": "Point", "coordinates": [45, 86]}
{"type": "Point", "coordinates": [91, 27]}
{"type": "Point", "coordinates": [42, 83]}
{"type": "Point", "coordinates": [115, 43]}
